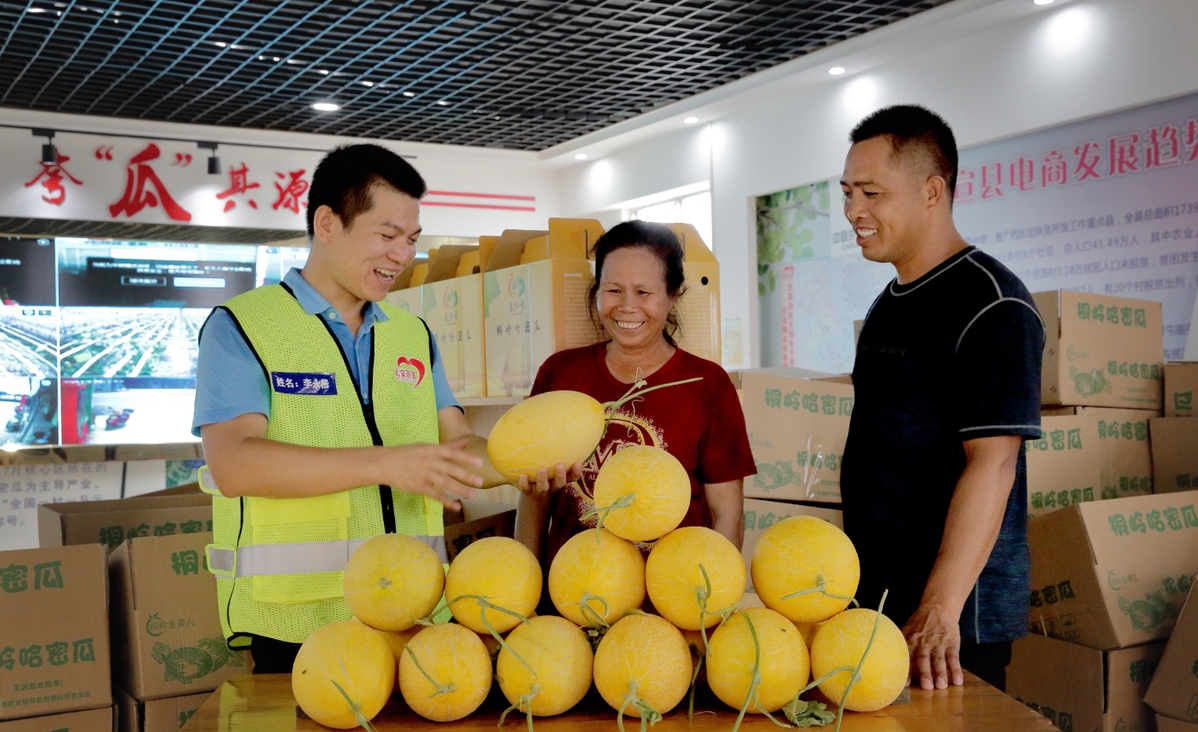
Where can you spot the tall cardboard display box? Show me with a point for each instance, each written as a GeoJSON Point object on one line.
{"type": "Point", "coordinates": [112, 522]}
{"type": "Point", "coordinates": [1078, 688]}
{"type": "Point", "coordinates": [1174, 453]}
{"type": "Point", "coordinates": [166, 631]}
{"type": "Point", "coordinates": [700, 328]}
{"type": "Point", "coordinates": [797, 430]}
{"type": "Point", "coordinates": [1174, 689]}
{"type": "Point", "coordinates": [535, 287]}
{"type": "Point", "coordinates": [451, 305]}
{"type": "Point", "coordinates": [1181, 383]}
{"type": "Point", "coordinates": [1101, 351]}
{"type": "Point", "coordinates": [53, 631]}
{"type": "Point", "coordinates": [93, 720]}
{"type": "Point", "coordinates": [760, 515]}
{"type": "Point", "coordinates": [1113, 574]}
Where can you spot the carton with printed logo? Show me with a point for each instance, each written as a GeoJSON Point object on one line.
{"type": "Point", "coordinates": [1113, 574]}
{"type": "Point", "coordinates": [760, 515]}
{"type": "Point", "coordinates": [53, 631]}
{"type": "Point", "coordinates": [1175, 453]}
{"type": "Point", "coordinates": [1174, 689]}
{"type": "Point", "coordinates": [166, 633]}
{"type": "Point", "coordinates": [92, 720]}
{"type": "Point", "coordinates": [1100, 350]}
{"type": "Point", "coordinates": [797, 430]}
{"type": "Point", "coordinates": [112, 522]}
{"type": "Point", "coordinates": [1078, 688]}
{"type": "Point", "coordinates": [1181, 384]}
{"type": "Point", "coordinates": [1092, 454]}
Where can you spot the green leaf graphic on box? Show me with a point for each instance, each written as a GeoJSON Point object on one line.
{"type": "Point", "coordinates": [1146, 614]}
{"type": "Point", "coordinates": [1194, 669]}
{"type": "Point", "coordinates": [771, 476]}
{"type": "Point", "coordinates": [189, 663]}
{"type": "Point", "coordinates": [1089, 383]}
{"type": "Point", "coordinates": [490, 291]}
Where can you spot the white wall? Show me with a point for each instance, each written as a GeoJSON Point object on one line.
{"type": "Point", "coordinates": [445, 168]}
{"type": "Point", "coordinates": [993, 69]}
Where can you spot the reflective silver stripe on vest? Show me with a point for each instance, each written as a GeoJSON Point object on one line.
{"type": "Point", "coordinates": [303, 558]}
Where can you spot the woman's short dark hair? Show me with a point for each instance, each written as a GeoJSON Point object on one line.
{"type": "Point", "coordinates": [344, 178]}
{"type": "Point", "coordinates": [660, 241]}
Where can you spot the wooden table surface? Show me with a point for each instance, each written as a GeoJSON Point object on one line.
{"type": "Point", "coordinates": [265, 704]}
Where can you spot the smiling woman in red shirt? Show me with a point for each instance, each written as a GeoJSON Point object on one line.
{"type": "Point", "coordinates": [638, 281]}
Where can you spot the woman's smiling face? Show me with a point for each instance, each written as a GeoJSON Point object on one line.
{"type": "Point", "coordinates": [633, 301]}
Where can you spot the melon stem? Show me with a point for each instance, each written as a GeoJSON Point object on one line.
{"type": "Point", "coordinates": [638, 389]}
{"type": "Point", "coordinates": [524, 703]}
{"type": "Point", "coordinates": [649, 715]}
{"type": "Point", "coordinates": [441, 689]}
{"type": "Point", "coordinates": [486, 604]}
{"type": "Point", "coordinates": [603, 511]}
{"type": "Point", "coordinates": [857, 671]}
{"type": "Point", "coordinates": [690, 708]}
{"type": "Point", "coordinates": [354, 707]}
{"type": "Point", "coordinates": [584, 607]}
{"type": "Point", "coordinates": [702, 594]}
{"type": "Point", "coordinates": [821, 586]}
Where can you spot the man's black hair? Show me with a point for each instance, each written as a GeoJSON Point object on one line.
{"type": "Point", "coordinates": [344, 178]}
{"type": "Point", "coordinates": [916, 130]}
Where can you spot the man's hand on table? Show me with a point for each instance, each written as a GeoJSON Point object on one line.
{"type": "Point", "coordinates": [934, 640]}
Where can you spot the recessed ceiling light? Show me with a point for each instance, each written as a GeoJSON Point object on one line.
{"type": "Point", "coordinates": [367, 83]}
{"type": "Point", "coordinates": [326, 107]}
{"type": "Point", "coordinates": [323, 72]}
{"type": "Point", "coordinates": [409, 94]}
{"type": "Point", "coordinates": [836, 70]}
{"type": "Point", "coordinates": [1042, 2]}
{"type": "Point", "coordinates": [276, 58]}
{"type": "Point", "coordinates": [691, 120]}
{"type": "Point", "coordinates": [261, 58]}
{"type": "Point", "coordinates": [580, 156]}
{"type": "Point", "coordinates": [220, 45]}
{"type": "Point", "coordinates": [442, 103]}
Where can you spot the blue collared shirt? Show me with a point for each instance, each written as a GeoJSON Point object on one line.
{"type": "Point", "coordinates": [230, 382]}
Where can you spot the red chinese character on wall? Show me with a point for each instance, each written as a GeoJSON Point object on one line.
{"type": "Point", "coordinates": [136, 197]}
{"type": "Point", "coordinates": [991, 181]}
{"type": "Point", "coordinates": [289, 195]}
{"type": "Point", "coordinates": [1089, 155]}
{"type": "Point", "coordinates": [1191, 140]}
{"type": "Point", "coordinates": [51, 178]}
{"type": "Point", "coordinates": [1162, 149]}
{"type": "Point", "coordinates": [238, 185]}
{"type": "Point", "coordinates": [1023, 174]}
{"type": "Point", "coordinates": [1054, 171]}
{"type": "Point", "coordinates": [964, 189]}
{"type": "Point", "coordinates": [1125, 155]}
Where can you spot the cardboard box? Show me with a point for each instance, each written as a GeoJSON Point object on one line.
{"type": "Point", "coordinates": [1113, 574]}
{"type": "Point", "coordinates": [797, 430]}
{"type": "Point", "coordinates": [159, 715]}
{"type": "Point", "coordinates": [1078, 688]}
{"type": "Point", "coordinates": [1094, 454]}
{"type": "Point", "coordinates": [54, 653]}
{"type": "Point", "coordinates": [477, 520]}
{"type": "Point", "coordinates": [1181, 383]}
{"type": "Point", "coordinates": [700, 328]}
{"type": "Point", "coordinates": [452, 308]}
{"type": "Point", "coordinates": [1174, 453]}
{"type": "Point", "coordinates": [93, 720]}
{"type": "Point", "coordinates": [535, 302]}
{"type": "Point", "coordinates": [1101, 351]}
{"type": "Point", "coordinates": [166, 632]}
{"type": "Point", "coordinates": [1168, 724]}
{"type": "Point", "coordinates": [112, 522]}
{"type": "Point", "coordinates": [760, 515]}
{"type": "Point", "coordinates": [1174, 688]}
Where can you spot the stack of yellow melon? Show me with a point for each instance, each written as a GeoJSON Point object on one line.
{"type": "Point", "coordinates": [757, 660]}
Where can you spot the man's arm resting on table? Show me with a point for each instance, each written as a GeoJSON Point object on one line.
{"type": "Point", "coordinates": [726, 501]}
{"type": "Point", "coordinates": [975, 517]}
{"type": "Point", "coordinates": [244, 463]}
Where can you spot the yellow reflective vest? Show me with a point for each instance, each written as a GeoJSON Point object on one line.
{"type": "Point", "coordinates": [279, 561]}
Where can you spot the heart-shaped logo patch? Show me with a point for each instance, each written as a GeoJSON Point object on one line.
{"type": "Point", "coordinates": [410, 370]}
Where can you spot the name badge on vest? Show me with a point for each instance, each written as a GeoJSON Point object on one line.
{"type": "Point", "coordinates": [287, 382]}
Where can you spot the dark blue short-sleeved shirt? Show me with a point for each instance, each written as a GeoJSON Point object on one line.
{"type": "Point", "coordinates": [952, 356]}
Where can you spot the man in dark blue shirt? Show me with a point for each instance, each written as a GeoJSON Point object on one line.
{"type": "Point", "coordinates": [947, 379]}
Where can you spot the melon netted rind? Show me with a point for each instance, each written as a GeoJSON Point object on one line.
{"type": "Point", "coordinates": [673, 576]}
{"type": "Point", "coordinates": [499, 569]}
{"type": "Point", "coordinates": [456, 659]}
{"type": "Point", "coordinates": [841, 641]}
{"type": "Point", "coordinates": [560, 654]}
{"type": "Point", "coordinates": [600, 564]}
{"type": "Point", "coordinates": [392, 581]}
{"type": "Point", "coordinates": [784, 663]}
{"type": "Point", "coordinates": [649, 650]}
{"type": "Point", "coordinates": [557, 427]}
{"type": "Point", "coordinates": [792, 555]}
{"type": "Point", "coordinates": [658, 484]}
{"type": "Point", "coordinates": [355, 657]}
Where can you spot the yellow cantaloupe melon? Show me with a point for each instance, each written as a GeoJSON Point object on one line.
{"type": "Point", "coordinates": [654, 486]}
{"type": "Point", "coordinates": [503, 572]}
{"type": "Point", "coordinates": [344, 673]}
{"type": "Point", "coordinates": [842, 640]}
{"type": "Point", "coordinates": [803, 553]}
{"type": "Point", "coordinates": [557, 427]}
{"type": "Point", "coordinates": [445, 672]}
{"type": "Point", "coordinates": [675, 582]}
{"type": "Point", "coordinates": [560, 658]}
{"type": "Point", "coordinates": [602, 567]}
{"type": "Point", "coordinates": [392, 581]}
{"type": "Point", "coordinates": [780, 657]}
{"type": "Point", "coordinates": [643, 657]}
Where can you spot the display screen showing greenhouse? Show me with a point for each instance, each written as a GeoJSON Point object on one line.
{"type": "Point", "coordinates": [99, 339]}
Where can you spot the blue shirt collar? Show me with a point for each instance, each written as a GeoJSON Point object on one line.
{"type": "Point", "coordinates": [314, 303]}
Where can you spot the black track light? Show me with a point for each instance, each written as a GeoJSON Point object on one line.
{"type": "Point", "coordinates": [214, 161]}
{"type": "Point", "coordinates": [49, 152]}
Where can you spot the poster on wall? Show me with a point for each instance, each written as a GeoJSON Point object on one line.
{"type": "Point", "coordinates": [1107, 205]}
